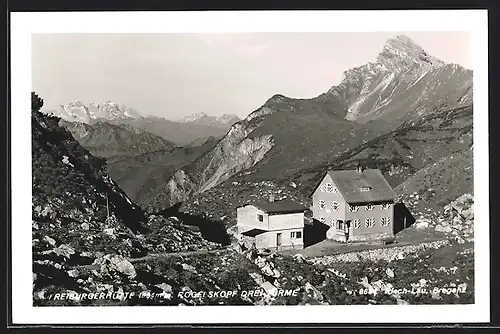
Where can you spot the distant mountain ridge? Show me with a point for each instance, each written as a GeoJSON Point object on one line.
{"type": "Point", "coordinates": [107, 140]}
{"type": "Point", "coordinates": [181, 134]}
{"type": "Point", "coordinates": [202, 118]}
{"type": "Point", "coordinates": [92, 112]}
{"type": "Point", "coordinates": [198, 128]}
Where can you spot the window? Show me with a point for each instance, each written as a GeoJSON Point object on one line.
{"type": "Point", "coordinates": [369, 222]}
{"type": "Point", "coordinates": [322, 219]}
{"type": "Point", "coordinates": [356, 223]}
{"type": "Point", "coordinates": [366, 188]}
{"type": "Point", "coordinates": [335, 206]}
{"type": "Point", "coordinates": [260, 218]}
{"type": "Point", "coordinates": [353, 208]}
{"type": "Point", "coordinates": [332, 222]}
{"type": "Point", "coordinates": [322, 188]}
{"type": "Point", "coordinates": [385, 221]}
{"type": "Point", "coordinates": [328, 187]}
{"type": "Point", "coordinates": [369, 207]}
{"type": "Point", "coordinates": [386, 206]}
{"type": "Point", "coordinates": [321, 204]}
{"type": "Point", "coordinates": [296, 235]}
{"type": "Point", "coordinates": [340, 225]}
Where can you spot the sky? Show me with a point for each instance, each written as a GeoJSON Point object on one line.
{"type": "Point", "coordinates": [175, 75]}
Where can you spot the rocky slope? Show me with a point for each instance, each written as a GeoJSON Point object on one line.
{"type": "Point", "coordinates": [436, 273]}
{"type": "Point", "coordinates": [402, 85]}
{"type": "Point", "coordinates": [92, 112]}
{"type": "Point", "coordinates": [107, 140]}
{"type": "Point", "coordinates": [403, 88]}
{"type": "Point", "coordinates": [224, 121]}
{"type": "Point", "coordinates": [81, 216]}
{"type": "Point", "coordinates": [144, 175]}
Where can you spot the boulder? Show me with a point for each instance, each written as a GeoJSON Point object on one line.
{"type": "Point", "coordinates": [111, 262]}
{"type": "Point", "coordinates": [260, 261]}
{"type": "Point", "coordinates": [268, 287]}
{"type": "Point", "coordinates": [49, 240]}
{"type": "Point", "coordinates": [85, 226]}
{"type": "Point", "coordinates": [164, 287]}
{"type": "Point", "coordinates": [313, 292]}
{"type": "Point", "coordinates": [161, 248]}
{"type": "Point", "coordinates": [188, 267]}
{"type": "Point", "coordinates": [125, 267]}
{"type": "Point", "coordinates": [443, 228]}
{"type": "Point", "coordinates": [422, 224]}
{"type": "Point", "coordinates": [64, 250]}
{"type": "Point", "coordinates": [264, 252]}
{"type": "Point", "coordinates": [457, 220]}
{"type": "Point", "coordinates": [257, 278]}
{"type": "Point", "coordinates": [299, 258]}
{"type": "Point", "coordinates": [270, 271]}
{"type": "Point", "coordinates": [73, 273]}
{"type": "Point", "coordinates": [109, 231]}
{"type": "Point", "coordinates": [389, 272]}
{"type": "Point", "coordinates": [468, 213]}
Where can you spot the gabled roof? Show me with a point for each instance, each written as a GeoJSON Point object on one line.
{"type": "Point", "coordinates": [350, 182]}
{"type": "Point", "coordinates": [277, 207]}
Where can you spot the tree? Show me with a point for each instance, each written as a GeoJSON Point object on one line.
{"type": "Point", "coordinates": [36, 102]}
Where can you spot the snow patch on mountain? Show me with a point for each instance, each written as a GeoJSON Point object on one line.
{"type": "Point", "coordinates": [87, 113]}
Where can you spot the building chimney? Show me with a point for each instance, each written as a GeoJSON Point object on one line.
{"type": "Point", "coordinates": [271, 197]}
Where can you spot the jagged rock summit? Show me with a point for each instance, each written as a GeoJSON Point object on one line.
{"type": "Point", "coordinates": [401, 52]}
{"type": "Point", "coordinates": [80, 112]}
{"type": "Point", "coordinates": [401, 85]}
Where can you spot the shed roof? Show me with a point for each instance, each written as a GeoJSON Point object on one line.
{"type": "Point", "coordinates": [350, 182]}
{"type": "Point", "coordinates": [277, 207]}
{"type": "Point", "coordinates": [253, 232]}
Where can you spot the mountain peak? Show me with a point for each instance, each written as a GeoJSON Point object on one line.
{"type": "Point", "coordinates": [204, 119]}
{"type": "Point", "coordinates": [402, 52]}
{"type": "Point", "coordinates": [87, 113]}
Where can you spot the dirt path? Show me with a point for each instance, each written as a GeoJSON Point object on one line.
{"type": "Point", "coordinates": [170, 255]}
{"type": "Point", "coordinates": [90, 267]}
